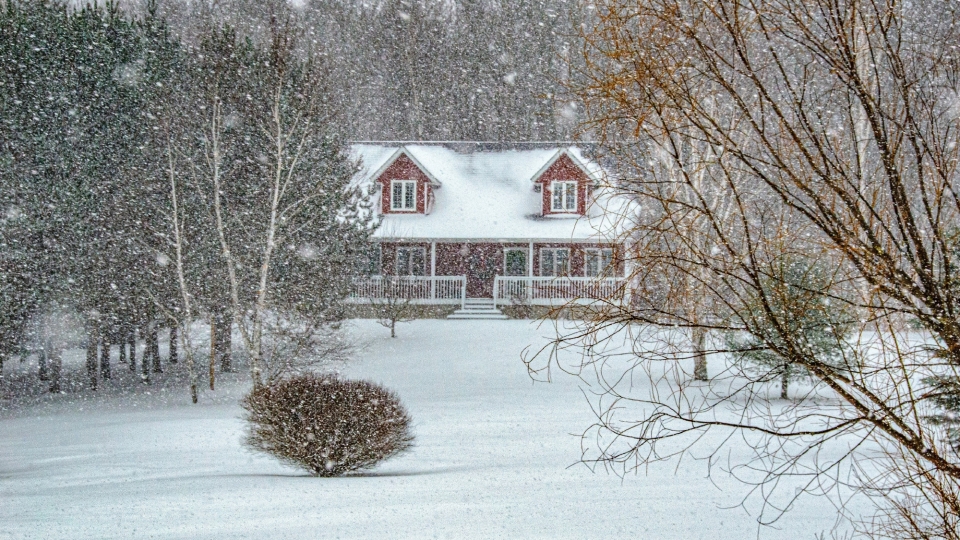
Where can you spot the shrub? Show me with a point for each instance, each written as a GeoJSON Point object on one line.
{"type": "Point", "coordinates": [325, 424]}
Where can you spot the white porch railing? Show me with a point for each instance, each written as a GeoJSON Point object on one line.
{"type": "Point", "coordinates": [553, 290]}
{"type": "Point", "coordinates": [418, 289]}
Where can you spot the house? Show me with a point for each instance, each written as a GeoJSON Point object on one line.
{"type": "Point", "coordinates": [479, 227]}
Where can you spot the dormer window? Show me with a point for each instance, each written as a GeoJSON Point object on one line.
{"type": "Point", "coordinates": [564, 196]}
{"type": "Point", "coordinates": [403, 195]}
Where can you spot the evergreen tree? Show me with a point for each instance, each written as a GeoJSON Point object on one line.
{"type": "Point", "coordinates": [74, 85]}
{"type": "Point", "coordinates": [794, 308]}
{"type": "Point", "coordinates": [943, 390]}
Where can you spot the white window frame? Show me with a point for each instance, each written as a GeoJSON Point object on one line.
{"type": "Point", "coordinates": [599, 256]}
{"type": "Point", "coordinates": [567, 197]}
{"type": "Point", "coordinates": [555, 269]}
{"type": "Point", "coordinates": [526, 260]}
{"type": "Point", "coordinates": [409, 270]}
{"type": "Point", "coordinates": [407, 187]}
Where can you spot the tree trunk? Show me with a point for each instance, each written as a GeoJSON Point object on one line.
{"type": "Point", "coordinates": [174, 355]}
{"type": "Point", "coordinates": [784, 381]}
{"type": "Point", "coordinates": [223, 343]}
{"type": "Point", "coordinates": [42, 360]}
{"type": "Point", "coordinates": [155, 347]}
{"type": "Point", "coordinates": [92, 341]}
{"type": "Point", "coordinates": [393, 328]}
{"type": "Point", "coordinates": [699, 339]}
{"type": "Point", "coordinates": [121, 350]}
{"type": "Point", "coordinates": [132, 343]}
{"type": "Point", "coordinates": [105, 358]}
{"type": "Point", "coordinates": [145, 359]}
{"type": "Point", "coordinates": [213, 349]}
{"type": "Point", "coordinates": [56, 367]}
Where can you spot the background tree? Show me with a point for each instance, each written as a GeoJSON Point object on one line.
{"type": "Point", "coordinates": [426, 70]}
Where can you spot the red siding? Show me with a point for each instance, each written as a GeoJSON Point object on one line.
{"type": "Point", "coordinates": [482, 261]}
{"type": "Point", "coordinates": [403, 168]}
{"type": "Point", "coordinates": [564, 169]}
{"type": "Point", "coordinates": [388, 256]}
{"type": "Point", "coordinates": [479, 261]}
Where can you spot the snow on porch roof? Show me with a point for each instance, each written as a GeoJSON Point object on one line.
{"type": "Point", "coordinates": [485, 195]}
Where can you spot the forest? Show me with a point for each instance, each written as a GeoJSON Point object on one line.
{"type": "Point", "coordinates": [790, 309]}
{"type": "Point", "coordinates": [463, 70]}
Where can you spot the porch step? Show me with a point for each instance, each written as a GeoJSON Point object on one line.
{"type": "Point", "coordinates": [493, 314]}
{"type": "Point", "coordinates": [478, 308]}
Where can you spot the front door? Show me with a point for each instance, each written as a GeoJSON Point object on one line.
{"type": "Point", "coordinates": [515, 262]}
{"type": "Point", "coordinates": [482, 265]}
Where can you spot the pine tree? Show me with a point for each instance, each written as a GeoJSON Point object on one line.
{"type": "Point", "coordinates": [74, 84]}
{"type": "Point", "coordinates": [795, 303]}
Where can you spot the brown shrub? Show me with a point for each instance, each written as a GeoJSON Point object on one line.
{"type": "Point", "coordinates": [327, 425]}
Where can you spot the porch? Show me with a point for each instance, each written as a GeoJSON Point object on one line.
{"type": "Point", "coordinates": [506, 290]}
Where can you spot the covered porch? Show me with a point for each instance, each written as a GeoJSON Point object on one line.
{"type": "Point", "coordinates": [542, 272]}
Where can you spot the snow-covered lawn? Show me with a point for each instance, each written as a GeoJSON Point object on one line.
{"type": "Point", "coordinates": [496, 457]}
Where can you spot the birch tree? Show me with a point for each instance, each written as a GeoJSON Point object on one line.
{"type": "Point", "coordinates": [275, 218]}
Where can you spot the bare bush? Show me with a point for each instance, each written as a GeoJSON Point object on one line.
{"type": "Point", "coordinates": [327, 425]}
{"type": "Point", "coordinates": [916, 501]}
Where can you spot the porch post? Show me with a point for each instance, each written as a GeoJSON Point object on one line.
{"type": "Point", "coordinates": [433, 270]}
{"type": "Point", "coordinates": [527, 292]}
{"type": "Point", "coordinates": [627, 275]}
{"type": "Point", "coordinates": [530, 261]}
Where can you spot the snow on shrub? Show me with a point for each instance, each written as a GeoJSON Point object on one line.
{"type": "Point", "coordinates": [327, 425]}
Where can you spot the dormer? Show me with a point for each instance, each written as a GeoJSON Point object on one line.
{"type": "Point", "coordinates": [565, 185]}
{"type": "Point", "coordinates": [406, 186]}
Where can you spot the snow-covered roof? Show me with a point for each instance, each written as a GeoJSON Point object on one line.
{"type": "Point", "coordinates": [486, 195]}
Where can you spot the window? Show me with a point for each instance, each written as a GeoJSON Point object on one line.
{"type": "Point", "coordinates": [598, 263]}
{"type": "Point", "coordinates": [368, 262]}
{"type": "Point", "coordinates": [411, 261]}
{"type": "Point", "coordinates": [553, 261]}
{"type": "Point", "coordinates": [564, 196]}
{"type": "Point", "coordinates": [515, 262]}
{"type": "Point", "coordinates": [403, 195]}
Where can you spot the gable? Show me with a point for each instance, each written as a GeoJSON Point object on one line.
{"type": "Point", "coordinates": [563, 169]}
{"type": "Point", "coordinates": [404, 168]}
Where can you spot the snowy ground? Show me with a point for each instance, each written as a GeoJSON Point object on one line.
{"type": "Point", "coordinates": [495, 457]}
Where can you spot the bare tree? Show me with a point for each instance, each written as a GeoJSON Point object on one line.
{"type": "Point", "coordinates": [394, 305]}
{"type": "Point", "coordinates": [176, 219]}
{"type": "Point", "coordinates": [816, 129]}
{"type": "Point", "coordinates": [294, 346]}
{"type": "Point", "coordinates": [303, 189]}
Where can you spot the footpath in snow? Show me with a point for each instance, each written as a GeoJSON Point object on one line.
{"type": "Point", "coordinates": [495, 457]}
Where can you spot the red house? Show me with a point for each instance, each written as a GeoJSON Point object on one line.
{"type": "Point", "coordinates": [483, 228]}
